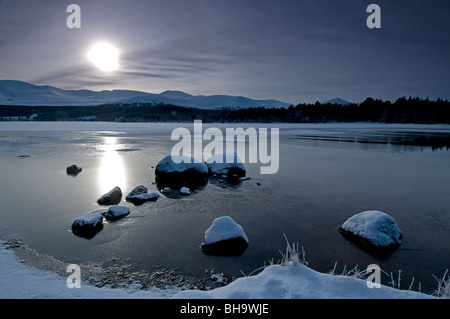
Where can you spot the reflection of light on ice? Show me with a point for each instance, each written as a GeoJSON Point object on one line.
{"type": "Point", "coordinates": [112, 170]}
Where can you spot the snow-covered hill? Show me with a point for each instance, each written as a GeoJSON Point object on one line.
{"type": "Point", "coordinates": [337, 101]}
{"type": "Point", "coordinates": [23, 93]}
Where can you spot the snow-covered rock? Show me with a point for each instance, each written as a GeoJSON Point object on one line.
{"type": "Point", "coordinates": [178, 170]}
{"type": "Point", "coordinates": [140, 195]}
{"type": "Point", "coordinates": [224, 237]}
{"type": "Point", "coordinates": [226, 164]}
{"type": "Point", "coordinates": [141, 189]}
{"type": "Point", "coordinates": [116, 212]}
{"type": "Point", "coordinates": [144, 197]}
{"type": "Point", "coordinates": [185, 191]}
{"type": "Point", "coordinates": [88, 225]}
{"type": "Point", "coordinates": [113, 197]}
{"type": "Point", "coordinates": [73, 170]}
{"type": "Point", "coordinates": [374, 230]}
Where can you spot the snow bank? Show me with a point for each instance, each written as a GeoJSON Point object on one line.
{"type": "Point", "coordinates": [295, 281]}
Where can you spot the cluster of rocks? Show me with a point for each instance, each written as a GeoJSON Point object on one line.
{"type": "Point", "coordinates": [89, 225]}
{"type": "Point", "coordinates": [186, 174]}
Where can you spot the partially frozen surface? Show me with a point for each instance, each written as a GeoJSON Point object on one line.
{"type": "Point", "coordinates": [378, 227]}
{"type": "Point", "coordinates": [223, 228]}
{"type": "Point", "coordinates": [294, 281]}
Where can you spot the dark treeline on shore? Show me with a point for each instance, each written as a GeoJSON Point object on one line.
{"type": "Point", "coordinates": [403, 110]}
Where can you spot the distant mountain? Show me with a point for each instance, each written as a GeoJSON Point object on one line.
{"type": "Point", "coordinates": [23, 93]}
{"type": "Point", "coordinates": [337, 101]}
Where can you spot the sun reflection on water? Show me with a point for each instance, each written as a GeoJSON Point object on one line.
{"type": "Point", "coordinates": [112, 170]}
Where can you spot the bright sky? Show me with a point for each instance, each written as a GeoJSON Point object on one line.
{"type": "Point", "coordinates": [291, 50]}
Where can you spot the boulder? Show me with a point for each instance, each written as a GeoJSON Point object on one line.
{"type": "Point", "coordinates": [226, 165]}
{"type": "Point", "coordinates": [113, 197]}
{"type": "Point", "coordinates": [88, 225]}
{"type": "Point", "coordinates": [176, 171]}
{"type": "Point", "coordinates": [224, 237]}
{"type": "Point", "coordinates": [73, 170]}
{"type": "Point", "coordinates": [116, 212]}
{"type": "Point", "coordinates": [373, 230]}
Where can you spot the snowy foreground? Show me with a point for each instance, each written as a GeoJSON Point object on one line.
{"type": "Point", "coordinates": [294, 281]}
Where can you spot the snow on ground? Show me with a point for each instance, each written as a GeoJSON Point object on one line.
{"type": "Point", "coordinates": [293, 281]}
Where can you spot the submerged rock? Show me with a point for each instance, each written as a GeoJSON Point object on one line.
{"type": "Point", "coordinates": [73, 170]}
{"type": "Point", "coordinates": [88, 225]}
{"type": "Point", "coordinates": [116, 212]}
{"type": "Point", "coordinates": [177, 171]}
{"type": "Point", "coordinates": [227, 165]}
{"type": "Point", "coordinates": [113, 197]}
{"type": "Point", "coordinates": [224, 237]}
{"type": "Point", "coordinates": [373, 230]}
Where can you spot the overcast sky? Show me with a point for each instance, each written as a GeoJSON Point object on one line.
{"type": "Point", "coordinates": [291, 50]}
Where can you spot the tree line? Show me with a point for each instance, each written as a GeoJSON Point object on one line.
{"type": "Point", "coordinates": [403, 110]}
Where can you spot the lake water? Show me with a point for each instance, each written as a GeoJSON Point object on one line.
{"type": "Point", "coordinates": [327, 173]}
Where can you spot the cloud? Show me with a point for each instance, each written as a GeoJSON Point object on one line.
{"type": "Point", "coordinates": [292, 50]}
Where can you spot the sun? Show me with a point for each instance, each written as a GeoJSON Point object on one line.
{"type": "Point", "coordinates": [104, 56]}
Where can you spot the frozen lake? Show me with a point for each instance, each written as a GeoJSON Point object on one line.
{"type": "Point", "coordinates": [327, 173]}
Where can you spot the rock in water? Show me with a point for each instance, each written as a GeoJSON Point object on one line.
{"type": "Point", "coordinates": [73, 170]}
{"type": "Point", "coordinates": [226, 164]}
{"type": "Point", "coordinates": [88, 225]}
{"type": "Point", "coordinates": [184, 191]}
{"type": "Point", "coordinates": [113, 197]}
{"type": "Point", "coordinates": [177, 171]}
{"type": "Point", "coordinates": [138, 190]}
{"type": "Point", "coordinates": [224, 237]}
{"type": "Point", "coordinates": [116, 212]}
{"type": "Point", "coordinates": [374, 230]}
{"type": "Point", "coordinates": [142, 198]}
{"type": "Point", "coordinates": [140, 195]}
